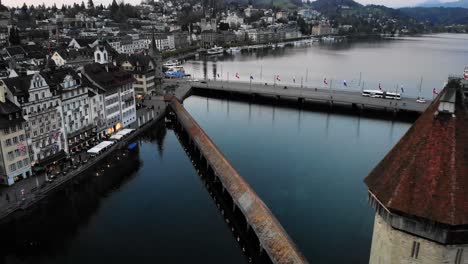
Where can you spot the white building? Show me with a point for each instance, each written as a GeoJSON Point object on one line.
{"type": "Point", "coordinates": [117, 86]}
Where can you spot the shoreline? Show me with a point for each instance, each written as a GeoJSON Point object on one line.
{"type": "Point", "coordinates": [42, 192]}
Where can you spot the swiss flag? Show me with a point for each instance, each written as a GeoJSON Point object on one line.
{"type": "Point", "coordinates": [278, 78]}
{"type": "Point", "coordinates": [325, 81]}
{"type": "Point", "coordinates": [380, 87]}
{"type": "Point", "coordinates": [434, 91]}
{"type": "Point", "coordinates": [237, 76]}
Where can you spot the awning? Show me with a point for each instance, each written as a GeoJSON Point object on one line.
{"type": "Point", "coordinates": [98, 148]}
{"type": "Point", "coordinates": [116, 137]}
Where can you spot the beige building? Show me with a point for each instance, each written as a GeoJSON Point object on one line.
{"type": "Point", "coordinates": [419, 190]}
{"type": "Point", "coordinates": [14, 159]}
{"type": "Point", "coordinates": [143, 69]}
{"type": "Point", "coordinates": [42, 110]}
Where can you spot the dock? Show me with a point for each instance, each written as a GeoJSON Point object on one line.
{"type": "Point", "coordinates": [312, 95]}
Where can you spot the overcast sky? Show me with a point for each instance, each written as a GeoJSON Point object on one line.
{"type": "Point", "coordinates": [391, 3]}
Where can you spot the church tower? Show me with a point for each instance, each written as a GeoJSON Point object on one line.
{"type": "Point", "coordinates": [419, 190]}
{"type": "Point", "coordinates": [100, 55]}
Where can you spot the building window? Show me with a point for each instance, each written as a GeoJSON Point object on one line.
{"type": "Point", "coordinates": [8, 142]}
{"type": "Point", "coordinates": [415, 250]}
{"type": "Point", "coordinates": [15, 140]}
{"type": "Point", "coordinates": [10, 155]}
{"type": "Point", "coordinates": [12, 167]}
{"type": "Point", "coordinates": [36, 96]}
{"type": "Point", "coordinates": [459, 256]}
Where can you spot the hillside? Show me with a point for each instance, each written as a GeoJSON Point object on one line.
{"type": "Point", "coordinates": [438, 3]}
{"type": "Point", "coordinates": [438, 15]}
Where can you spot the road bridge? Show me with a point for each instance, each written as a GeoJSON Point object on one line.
{"type": "Point", "coordinates": [314, 95]}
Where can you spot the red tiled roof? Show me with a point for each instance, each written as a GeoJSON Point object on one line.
{"type": "Point", "coordinates": [426, 173]}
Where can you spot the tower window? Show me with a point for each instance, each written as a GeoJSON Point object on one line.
{"type": "Point", "coordinates": [459, 256]}
{"type": "Point", "coordinates": [415, 250]}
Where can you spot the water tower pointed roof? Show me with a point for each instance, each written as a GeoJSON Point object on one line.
{"type": "Point", "coordinates": [426, 174]}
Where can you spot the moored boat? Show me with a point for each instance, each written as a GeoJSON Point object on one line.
{"type": "Point", "coordinates": [215, 50]}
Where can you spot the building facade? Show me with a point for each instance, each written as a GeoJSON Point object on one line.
{"type": "Point", "coordinates": [117, 88]}
{"type": "Point", "coordinates": [42, 110]}
{"type": "Point", "coordinates": [14, 159]}
{"type": "Point", "coordinates": [77, 121]}
{"type": "Point", "coordinates": [143, 69]}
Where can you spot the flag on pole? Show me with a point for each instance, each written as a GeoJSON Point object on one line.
{"type": "Point", "coordinates": [434, 91]}
{"type": "Point", "coordinates": [345, 83]}
{"type": "Point", "coordinates": [237, 76]}
{"type": "Point", "coordinates": [380, 87]}
{"type": "Point", "coordinates": [325, 81]}
{"type": "Point", "coordinates": [402, 89]}
{"type": "Point", "coordinates": [218, 75]}
{"type": "Point", "coordinates": [251, 77]}
{"type": "Point", "coordinates": [294, 79]}
{"type": "Point", "coordinates": [278, 78]}
{"type": "Point", "coordinates": [22, 148]}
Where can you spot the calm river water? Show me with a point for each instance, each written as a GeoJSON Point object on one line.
{"type": "Point", "coordinates": [308, 167]}
{"type": "Point", "coordinates": [392, 63]}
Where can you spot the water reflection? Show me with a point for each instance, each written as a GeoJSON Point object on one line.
{"type": "Point", "coordinates": [48, 227]}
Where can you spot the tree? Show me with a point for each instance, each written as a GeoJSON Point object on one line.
{"type": "Point", "coordinates": [114, 7]}
{"type": "Point", "coordinates": [90, 4]}
{"type": "Point", "coordinates": [24, 9]}
{"type": "Point", "coordinates": [14, 38]}
{"type": "Point", "coordinates": [82, 7]}
{"type": "Point", "coordinates": [223, 26]}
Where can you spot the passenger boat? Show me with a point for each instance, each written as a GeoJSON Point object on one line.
{"type": "Point", "coordinates": [465, 74]}
{"type": "Point", "coordinates": [233, 50]}
{"type": "Point", "coordinates": [176, 69]}
{"type": "Point", "coordinates": [215, 50]}
{"type": "Point", "coordinates": [171, 63]}
{"type": "Point", "coordinates": [281, 45]}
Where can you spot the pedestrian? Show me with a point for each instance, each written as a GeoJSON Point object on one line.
{"type": "Point", "coordinates": [7, 198]}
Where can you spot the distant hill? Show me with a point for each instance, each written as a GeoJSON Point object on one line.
{"type": "Point", "coordinates": [438, 15]}
{"type": "Point", "coordinates": [332, 8]}
{"type": "Point", "coordinates": [268, 3]}
{"type": "Point", "coordinates": [438, 3]}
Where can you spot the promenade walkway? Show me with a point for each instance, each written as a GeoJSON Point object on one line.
{"type": "Point", "coordinates": [311, 94]}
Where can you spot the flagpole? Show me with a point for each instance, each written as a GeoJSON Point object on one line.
{"type": "Point", "coordinates": [227, 76]}
{"type": "Point", "coordinates": [250, 83]}
{"type": "Point", "coordinates": [274, 80]}
{"type": "Point", "coordinates": [307, 74]}
{"type": "Point", "coordinates": [360, 78]}
{"type": "Point", "coordinates": [261, 72]}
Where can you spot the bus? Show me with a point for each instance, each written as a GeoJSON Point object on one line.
{"type": "Point", "coordinates": [381, 94]}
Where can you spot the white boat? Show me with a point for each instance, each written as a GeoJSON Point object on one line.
{"type": "Point", "coordinates": [328, 39]}
{"type": "Point", "coordinates": [465, 73]}
{"type": "Point", "coordinates": [176, 69]}
{"type": "Point", "coordinates": [281, 45]}
{"type": "Point", "coordinates": [171, 63]}
{"type": "Point", "coordinates": [233, 50]}
{"type": "Point", "coordinates": [215, 50]}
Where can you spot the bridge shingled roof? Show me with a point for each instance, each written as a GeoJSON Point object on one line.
{"type": "Point", "coordinates": [426, 174]}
